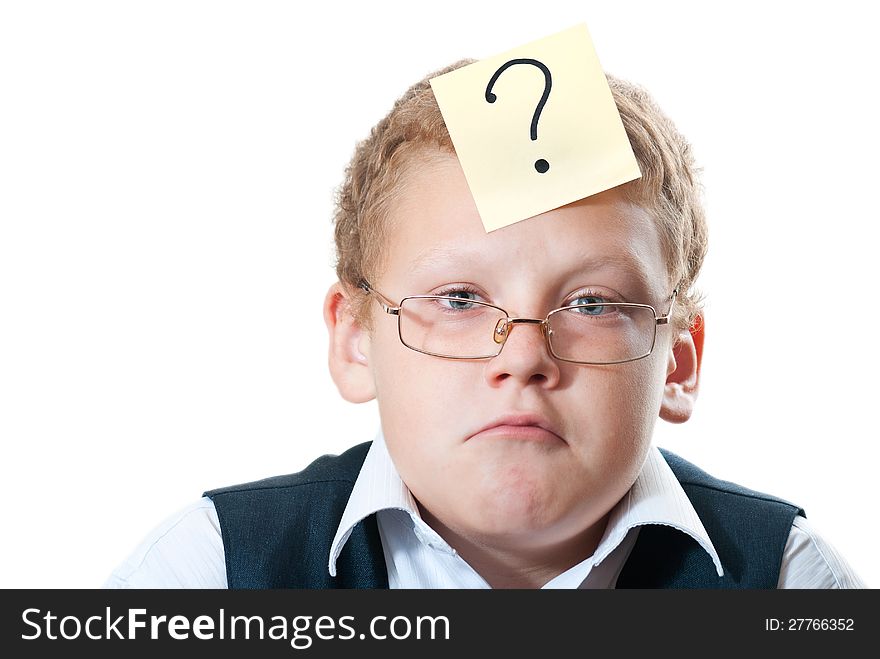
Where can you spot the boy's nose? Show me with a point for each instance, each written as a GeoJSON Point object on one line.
{"type": "Point", "coordinates": [525, 355]}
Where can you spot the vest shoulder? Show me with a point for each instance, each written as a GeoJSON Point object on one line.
{"type": "Point", "coordinates": [747, 528]}
{"type": "Point", "coordinates": [342, 468]}
{"type": "Point", "coordinates": [693, 478]}
{"type": "Point", "coordinates": [277, 532]}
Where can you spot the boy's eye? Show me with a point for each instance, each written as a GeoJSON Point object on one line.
{"type": "Point", "coordinates": [589, 299]}
{"type": "Point", "coordinates": [464, 296]}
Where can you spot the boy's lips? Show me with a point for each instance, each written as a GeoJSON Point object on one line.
{"type": "Point", "coordinates": [524, 425]}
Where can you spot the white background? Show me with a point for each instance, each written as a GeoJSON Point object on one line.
{"type": "Point", "coordinates": [166, 182]}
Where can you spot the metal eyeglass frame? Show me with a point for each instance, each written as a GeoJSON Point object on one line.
{"type": "Point", "coordinates": [502, 328]}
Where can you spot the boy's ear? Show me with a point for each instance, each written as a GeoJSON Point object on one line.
{"type": "Point", "coordinates": [683, 374]}
{"type": "Point", "coordinates": [349, 348]}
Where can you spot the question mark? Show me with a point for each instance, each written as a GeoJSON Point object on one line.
{"type": "Point", "coordinates": [541, 165]}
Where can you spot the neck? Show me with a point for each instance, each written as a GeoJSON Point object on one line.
{"type": "Point", "coordinates": [520, 562]}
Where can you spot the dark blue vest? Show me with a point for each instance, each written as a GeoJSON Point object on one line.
{"type": "Point", "coordinates": [277, 533]}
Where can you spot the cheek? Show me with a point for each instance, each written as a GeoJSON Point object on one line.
{"type": "Point", "coordinates": [640, 396]}
{"type": "Point", "coordinates": [643, 389]}
{"type": "Point", "coordinates": [420, 400]}
{"type": "Point", "coordinates": [612, 414]}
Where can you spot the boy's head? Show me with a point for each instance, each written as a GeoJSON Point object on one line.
{"type": "Point", "coordinates": [521, 450]}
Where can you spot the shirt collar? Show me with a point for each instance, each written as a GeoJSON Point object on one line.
{"type": "Point", "coordinates": [656, 497]}
{"type": "Point", "coordinates": [378, 487]}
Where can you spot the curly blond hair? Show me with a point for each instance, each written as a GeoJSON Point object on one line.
{"type": "Point", "coordinates": [668, 188]}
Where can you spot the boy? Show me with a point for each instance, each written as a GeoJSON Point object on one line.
{"type": "Point", "coordinates": [518, 374]}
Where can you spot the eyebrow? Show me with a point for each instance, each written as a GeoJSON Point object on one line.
{"type": "Point", "coordinates": [441, 256]}
{"type": "Point", "coordinates": [437, 256]}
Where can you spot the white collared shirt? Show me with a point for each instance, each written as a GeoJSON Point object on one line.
{"type": "Point", "coordinates": [186, 551]}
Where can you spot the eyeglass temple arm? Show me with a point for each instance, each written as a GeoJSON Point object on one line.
{"type": "Point", "coordinates": [387, 305]}
{"type": "Point", "coordinates": [663, 320]}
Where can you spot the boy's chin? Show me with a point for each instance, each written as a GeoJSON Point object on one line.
{"type": "Point", "coordinates": [518, 515]}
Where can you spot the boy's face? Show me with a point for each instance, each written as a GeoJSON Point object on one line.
{"type": "Point", "coordinates": [508, 485]}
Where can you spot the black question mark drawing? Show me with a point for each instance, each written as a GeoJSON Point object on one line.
{"type": "Point", "coordinates": [542, 166]}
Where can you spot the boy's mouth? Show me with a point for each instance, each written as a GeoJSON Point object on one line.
{"type": "Point", "coordinates": [522, 425]}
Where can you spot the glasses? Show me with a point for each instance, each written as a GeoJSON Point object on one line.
{"type": "Point", "coordinates": [459, 328]}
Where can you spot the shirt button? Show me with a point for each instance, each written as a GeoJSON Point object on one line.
{"type": "Point", "coordinates": [441, 548]}
{"type": "Point", "coordinates": [432, 542]}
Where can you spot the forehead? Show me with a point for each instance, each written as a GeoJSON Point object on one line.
{"type": "Point", "coordinates": [434, 228]}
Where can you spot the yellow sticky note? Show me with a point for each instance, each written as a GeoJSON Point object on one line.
{"type": "Point", "coordinates": [535, 128]}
